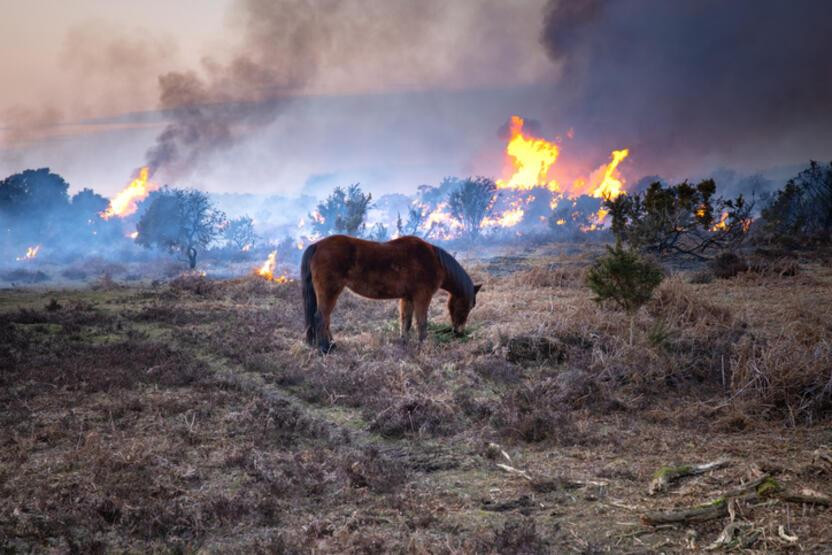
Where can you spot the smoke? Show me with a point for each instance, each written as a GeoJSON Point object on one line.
{"type": "Point", "coordinates": [23, 124]}
{"type": "Point", "coordinates": [706, 80]}
{"type": "Point", "coordinates": [288, 49]}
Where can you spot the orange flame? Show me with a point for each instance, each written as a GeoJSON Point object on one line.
{"type": "Point", "coordinates": [532, 159]}
{"type": "Point", "coordinates": [266, 271]}
{"type": "Point", "coordinates": [722, 224]}
{"type": "Point", "coordinates": [31, 253]}
{"type": "Point", "coordinates": [611, 182]}
{"type": "Point", "coordinates": [531, 167]}
{"type": "Point", "coordinates": [126, 202]}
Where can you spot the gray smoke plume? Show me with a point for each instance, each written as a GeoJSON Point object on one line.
{"type": "Point", "coordinates": [208, 111]}
{"type": "Point", "coordinates": [289, 48]}
{"type": "Point", "coordinates": [703, 80]}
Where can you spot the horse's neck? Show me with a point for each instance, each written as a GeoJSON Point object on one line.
{"type": "Point", "coordinates": [451, 286]}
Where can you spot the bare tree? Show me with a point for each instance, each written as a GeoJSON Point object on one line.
{"type": "Point", "coordinates": [240, 232]}
{"type": "Point", "coordinates": [179, 220]}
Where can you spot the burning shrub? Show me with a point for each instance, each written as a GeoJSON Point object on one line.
{"type": "Point", "coordinates": [471, 201]}
{"type": "Point", "coordinates": [679, 220]}
{"type": "Point", "coordinates": [344, 211]}
{"type": "Point", "coordinates": [574, 216]}
{"type": "Point", "coordinates": [803, 209]}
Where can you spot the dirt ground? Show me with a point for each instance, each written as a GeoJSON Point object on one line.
{"type": "Point", "coordinates": [191, 416]}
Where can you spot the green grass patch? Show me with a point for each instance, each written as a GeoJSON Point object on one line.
{"type": "Point", "coordinates": [444, 333]}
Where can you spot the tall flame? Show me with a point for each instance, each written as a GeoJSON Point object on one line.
{"type": "Point", "coordinates": [532, 164]}
{"type": "Point", "coordinates": [611, 183]}
{"type": "Point", "coordinates": [31, 253]}
{"type": "Point", "coordinates": [266, 271]}
{"type": "Point", "coordinates": [532, 158]}
{"type": "Point", "coordinates": [126, 202]}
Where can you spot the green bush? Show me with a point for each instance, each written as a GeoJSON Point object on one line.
{"type": "Point", "coordinates": [625, 278]}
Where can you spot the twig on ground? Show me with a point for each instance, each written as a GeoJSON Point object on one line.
{"type": "Point", "coordinates": [667, 474]}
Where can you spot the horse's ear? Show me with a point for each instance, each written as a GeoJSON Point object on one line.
{"type": "Point", "coordinates": [477, 288]}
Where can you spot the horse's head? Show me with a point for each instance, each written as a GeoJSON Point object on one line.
{"type": "Point", "coordinates": [460, 306]}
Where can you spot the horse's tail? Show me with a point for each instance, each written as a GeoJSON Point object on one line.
{"type": "Point", "coordinates": [310, 300]}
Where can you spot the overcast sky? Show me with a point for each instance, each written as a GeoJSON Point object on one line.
{"type": "Point", "coordinates": [281, 96]}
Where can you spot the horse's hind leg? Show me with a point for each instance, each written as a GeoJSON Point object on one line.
{"type": "Point", "coordinates": [326, 303]}
{"type": "Point", "coordinates": [405, 318]}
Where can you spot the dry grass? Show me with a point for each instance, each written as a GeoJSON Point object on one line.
{"type": "Point", "coordinates": [192, 416]}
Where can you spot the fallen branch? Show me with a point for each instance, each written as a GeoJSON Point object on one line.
{"type": "Point", "coordinates": [667, 474]}
{"type": "Point", "coordinates": [717, 508]}
{"type": "Point", "coordinates": [516, 471]}
{"type": "Point", "coordinates": [764, 487]}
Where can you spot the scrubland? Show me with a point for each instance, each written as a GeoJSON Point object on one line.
{"type": "Point", "coordinates": [190, 415]}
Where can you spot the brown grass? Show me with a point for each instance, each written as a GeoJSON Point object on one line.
{"type": "Point", "coordinates": [192, 416]}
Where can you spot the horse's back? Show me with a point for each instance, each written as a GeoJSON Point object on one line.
{"type": "Point", "coordinates": [403, 267]}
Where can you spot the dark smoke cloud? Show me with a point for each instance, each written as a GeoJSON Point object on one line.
{"type": "Point", "coordinates": [285, 45]}
{"type": "Point", "coordinates": [339, 47]}
{"type": "Point", "coordinates": [719, 80]}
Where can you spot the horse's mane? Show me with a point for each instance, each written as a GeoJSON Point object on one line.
{"type": "Point", "coordinates": [458, 277]}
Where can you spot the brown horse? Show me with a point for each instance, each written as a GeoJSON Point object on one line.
{"type": "Point", "coordinates": [406, 268]}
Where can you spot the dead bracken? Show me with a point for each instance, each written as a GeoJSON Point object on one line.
{"type": "Point", "coordinates": [189, 415]}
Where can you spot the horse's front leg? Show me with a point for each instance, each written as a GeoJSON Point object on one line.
{"type": "Point", "coordinates": [420, 309]}
{"type": "Point", "coordinates": [405, 318]}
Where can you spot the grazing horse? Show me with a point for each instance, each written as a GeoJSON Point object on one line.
{"type": "Point", "coordinates": [407, 268]}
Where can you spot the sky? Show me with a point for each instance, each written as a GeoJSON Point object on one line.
{"type": "Point", "coordinates": [290, 96]}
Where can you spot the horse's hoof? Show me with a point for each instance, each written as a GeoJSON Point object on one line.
{"type": "Point", "coordinates": [326, 349]}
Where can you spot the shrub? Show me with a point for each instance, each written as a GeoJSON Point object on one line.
{"type": "Point", "coordinates": [727, 265]}
{"type": "Point", "coordinates": [803, 208]}
{"type": "Point", "coordinates": [680, 220]}
{"type": "Point", "coordinates": [344, 211]}
{"type": "Point", "coordinates": [625, 278]}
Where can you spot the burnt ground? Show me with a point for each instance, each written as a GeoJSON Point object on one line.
{"type": "Point", "coordinates": [191, 416]}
